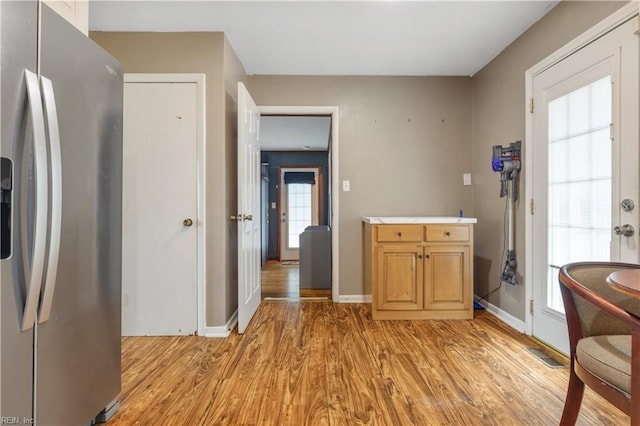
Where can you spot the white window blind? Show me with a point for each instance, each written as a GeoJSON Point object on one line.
{"type": "Point", "coordinates": [299, 196]}
{"type": "Point", "coordinates": [579, 192]}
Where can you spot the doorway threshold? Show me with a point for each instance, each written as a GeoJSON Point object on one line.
{"type": "Point", "coordinates": [297, 299]}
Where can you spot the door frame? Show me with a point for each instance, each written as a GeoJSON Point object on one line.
{"type": "Point", "coordinates": [334, 184]}
{"type": "Point", "coordinates": [600, 29]}
{"type": "Point", "coordinates": [281, 169]}
{"type": "Point", "coordinates": [199, 80]}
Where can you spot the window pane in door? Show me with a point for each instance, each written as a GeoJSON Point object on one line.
{"type": "Point", "coordinates": [579, 192]}
{"type": "Point", "coordinates": [299, 209]}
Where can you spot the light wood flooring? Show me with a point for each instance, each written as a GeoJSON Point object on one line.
{"type": "Point", "coordinates": [322, 363]}
{"type": "Point", "coordinates": [282, 280]}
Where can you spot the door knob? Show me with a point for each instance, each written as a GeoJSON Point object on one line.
{"type": "Point", "coordinates": [248, 217]}
{"type": "Point", "coordinates": [238, 218]}
{"type": "Point", "coordinates": [187, 222]}
{"type": "Point", "coordinates": [624, 230]}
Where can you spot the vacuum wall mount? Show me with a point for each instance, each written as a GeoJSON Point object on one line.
{"type": "Point", "coordinates": [506, 161]}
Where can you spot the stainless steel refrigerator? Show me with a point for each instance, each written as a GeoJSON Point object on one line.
{"type": "Point", "coordinates": [61, 170]}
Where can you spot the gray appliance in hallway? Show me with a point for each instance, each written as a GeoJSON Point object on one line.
{"type": "Point", "coordinates": [315, 257]}
{"type": "Point", "coordinates": [61, 149]}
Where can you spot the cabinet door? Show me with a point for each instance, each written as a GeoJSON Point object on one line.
{"type": "Point", "coordinates": [76, 12]}
{"type": "Point", "coordinates": [447, 278]}
{"type": "Point", "coordinates": [399, 277]}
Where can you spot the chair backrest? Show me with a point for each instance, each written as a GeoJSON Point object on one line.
{"type": "Point", "coordinates": [592, 276]}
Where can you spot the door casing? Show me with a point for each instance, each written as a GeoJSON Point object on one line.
{"type": "Point", "coordinates": [334, 184]}
{"type": "Point", "coordinates": [281, 206]}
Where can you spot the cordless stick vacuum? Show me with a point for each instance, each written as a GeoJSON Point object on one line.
{"type": "Point", "coordinates": [506, 160]}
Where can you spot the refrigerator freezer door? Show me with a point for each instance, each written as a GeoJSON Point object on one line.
{"type": "Point", "coordinates": [18, 50]}
{"type": "Point", "coordinates": [78, 348]}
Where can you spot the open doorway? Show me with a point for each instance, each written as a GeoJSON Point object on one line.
{"type": "Point", "coordinates": [295, 154]}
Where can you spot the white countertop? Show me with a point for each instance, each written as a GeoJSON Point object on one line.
{"type": "Point", "coordinates": [426, 219]}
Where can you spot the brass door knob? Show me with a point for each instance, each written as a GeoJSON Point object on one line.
{"type": "Point", "coordinates": [187, 222]}
{"type": "Point", "coordinates": [248, 217]}
{"type": "Point", "coordinates": [238, 218]}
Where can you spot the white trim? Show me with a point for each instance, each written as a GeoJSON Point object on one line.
{"type": "Point", "coordinates": [606, 25]}
{"type": "Point", "coordinates": [334, 112]}
{"type": "Point", "coordinates": [355, 298]}
{"type": "Point", "coordinates": [199, 80]}
{"type": "Point", "coordinates": [609, 23]}
{"type": "Point", "coordinates": [223, 330]}
{"type": "Point", "coordinates": [503, 316]}
{"type": "Point", "coordinates": [287, 253]}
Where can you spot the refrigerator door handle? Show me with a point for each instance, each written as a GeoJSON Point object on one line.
{"type": "Point", "coordinates": [51, 115]}
{"type": "Point", "coordinates": [34, 276]}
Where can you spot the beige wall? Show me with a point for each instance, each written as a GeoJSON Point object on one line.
{"type": "Point", "coordinates": [498, 119]}
{"type": "Point", "coordinates": [404, 143]}
{"type": "Point", "coordinates": [199, 53]}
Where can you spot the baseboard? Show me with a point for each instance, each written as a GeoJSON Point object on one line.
{"type": "Point", "coordinates": [223, 330]}
{"type": "Point", "coordinates": [503, 316]}
{"type": "Point", "coordinates": [355, 298]}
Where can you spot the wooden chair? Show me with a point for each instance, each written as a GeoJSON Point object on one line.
{"type": "Point", "coordinates": [604, 337]}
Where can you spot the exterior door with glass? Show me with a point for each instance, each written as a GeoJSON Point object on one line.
{"type": "Point", "coordinates": [299, 201]}
{"type": "Point", "coordinates": [585, 163]}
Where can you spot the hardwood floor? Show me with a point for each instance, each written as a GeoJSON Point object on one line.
{"type": "Point", "coordinates": [282, 280]}
{"type": "Point", "coordinates": [330, 364]}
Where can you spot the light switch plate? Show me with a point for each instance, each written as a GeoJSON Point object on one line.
{"type": "Point", "coordinates": [346, 186]}
{"type": "Point", "coordinates": [466, 178]}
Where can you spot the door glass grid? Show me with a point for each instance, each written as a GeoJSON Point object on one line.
{"type": "Point", "coordinates": [299, 210]}
{"type": "Point", "coordinates": [580, 182]}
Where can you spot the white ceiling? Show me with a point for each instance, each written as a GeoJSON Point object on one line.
{"type": "Point", "coordinates": [340, 37]}
{"type": "Point", "coordinates": [294, 133]}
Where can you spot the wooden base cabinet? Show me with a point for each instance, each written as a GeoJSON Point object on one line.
{"type": "Point", "coordinates": [419, 271]}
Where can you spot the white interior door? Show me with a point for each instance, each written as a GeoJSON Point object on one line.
{"type": "Point", "coordinates": [249, 250]}
{"type": "Point", "coordinates": [299, 208]}
{"type": "Point", "coordinates": [159, 288]}
{"type": "Point", "coordinates": [585, 161]}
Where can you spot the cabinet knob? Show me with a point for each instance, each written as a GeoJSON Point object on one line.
{"type": "Point", "coordinates": [419, 256]}
{"type": "Point", "coordinates": [400, 234]}
{"type": "Point", "coordinates": [448, 233]}
{"type": "Point", "coordinates": [427, 256]}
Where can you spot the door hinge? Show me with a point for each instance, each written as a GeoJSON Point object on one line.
{"type": "Point", "coordinates": [531, 206]}
{"type": "Point", "coordinates": [531, 306]}
{"type": "Point", "coordinates": [531, 106]}
{"type": "Point", "coordinates": [611, 131]}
